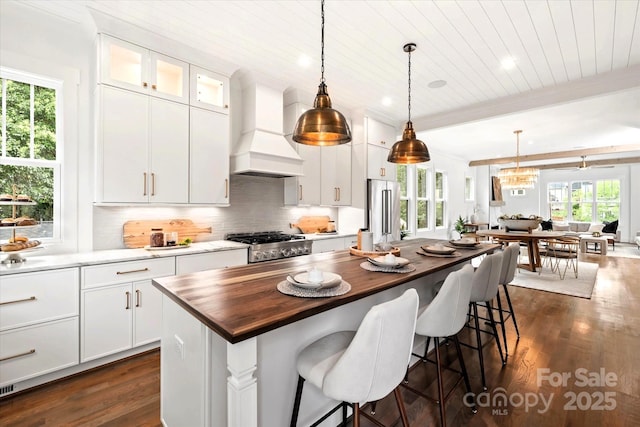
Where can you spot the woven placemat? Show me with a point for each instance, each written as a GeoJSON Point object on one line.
{"type": "Point", "coordinates": [290, 289]}
{"type": "Point", "coordinates": [404, 269]}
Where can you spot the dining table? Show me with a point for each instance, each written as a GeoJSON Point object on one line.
{"type": "Point", "coordinates": [529, 238]}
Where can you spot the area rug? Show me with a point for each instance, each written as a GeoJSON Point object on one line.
{"type": "Point", "coordinates": [625, 250]}
{"type": "Point", "coordinates": [550, 282]}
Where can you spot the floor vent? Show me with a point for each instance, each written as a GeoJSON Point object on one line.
{"type": "Point", "coordinates": [6, 389]}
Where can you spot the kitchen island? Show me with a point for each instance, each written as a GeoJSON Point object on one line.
{"type": "Point", "coordinates": [230, 338]}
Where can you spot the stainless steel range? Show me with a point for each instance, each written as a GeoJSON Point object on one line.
{"type": "Point", "coordinates": [270, 245]}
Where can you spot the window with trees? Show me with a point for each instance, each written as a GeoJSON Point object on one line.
{"type": "Point", "coordinates": [440, 198]}
{"type": "Point", "coordinates": [422, 197]}
{"type": "Point", "coordinates": [401, 176]}
{"type": "Point", "coordinates": [589, 201]}
{"type": "Point", "coordinates": [30, 147]}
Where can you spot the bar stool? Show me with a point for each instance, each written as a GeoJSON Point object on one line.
{"type": "Point", "coordinates": [509, 265]}
{"type": "Point", "coordinates": [484, 288]}
{"type": "Point", "coordinates": [355, 367]}
{"type": "Point", "coordinates": [444, 317]}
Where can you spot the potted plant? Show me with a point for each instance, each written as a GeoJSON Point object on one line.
{"type": "Point", "coordinates": [459, 226]}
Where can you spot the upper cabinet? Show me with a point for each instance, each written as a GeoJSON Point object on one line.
{"type": "Point", "coordinates": [335, 173]}
{"type": "Point", "coordinates": [133, 67]}
{"type": "Point", "coordinates": [163, 129]}
{"type": "Point", "coordinates": [209, 90]}
{"type": "Point", "coordinates": [380, 138]}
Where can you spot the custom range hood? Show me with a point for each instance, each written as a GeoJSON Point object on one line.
{"type": "Point", "coordinates": [261, 148]}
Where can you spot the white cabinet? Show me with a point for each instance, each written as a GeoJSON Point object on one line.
{"type": "Point", "coordinates": [186, 264]}
{"type": "Point", "coordinates": [38, 323]}
{"type": "Point", "coordinates": [120, 307]}
{"type": "Point", "coordinates": [305, 190]}
{"type": "Point", "coordinates": [336, 175]}
{"type": "Point", "coordinates": [135, 68]}
{"type": "Point", "coordinates": [209, 90]}
{"type": "Point", "coordinates": [143, 148]}
{"type": "Point", "coordinates": [208, 157]}
{"type": "Point", "coordinates": [327, 245]}
{"type": "Point", "coordinates": [380, 138]}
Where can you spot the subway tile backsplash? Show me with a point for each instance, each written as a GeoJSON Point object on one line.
{"type": "Point", "coordinates": [256, 205]}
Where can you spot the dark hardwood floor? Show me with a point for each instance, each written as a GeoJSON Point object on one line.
{"type": "Point", "coordinates": [559, 334]}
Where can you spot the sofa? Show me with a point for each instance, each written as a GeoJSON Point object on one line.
{"type": "Point", "coordinates": [577, 228]}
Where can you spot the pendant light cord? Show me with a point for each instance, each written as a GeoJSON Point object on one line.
{"type": "Point", "coordinates": [322, 43]}
{"type": "Point", "coordinates": [409, 103]}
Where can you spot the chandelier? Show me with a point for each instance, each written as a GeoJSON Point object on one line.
{"type": "Point", "coordinates": [515, 178]}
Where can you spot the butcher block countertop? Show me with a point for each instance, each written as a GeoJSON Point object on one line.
{"type": "Point", "coordinates": [242, 302]}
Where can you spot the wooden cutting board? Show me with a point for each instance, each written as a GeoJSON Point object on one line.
{"type": "Point", "coordinates": [136, 233]}
{"type": "Point", "coordinates": [312, 224]}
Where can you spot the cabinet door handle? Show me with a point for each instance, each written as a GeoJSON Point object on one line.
{"type": "Point", "coordinates": [128, 306]}
{"type": "Point", "coordinates": [133, 271]}
{"type": "Point", "coordinates": [383, 143]}
{"type": "Point", "coordinates": [144, 184]}
{"type": "Point", "coordinates": [31, 298]}
{"type": "Point", "coordinates": [154, 87]}
{"type": "Point", "coordinates": [339, 194]}
{"type": "Point", "coordinates": [384, 171]}
{"type": "Point", "coordinates": [381, 172]}
{"type": "Point", "coordinates": [153, 184]}
{"type": "Point", "coordinates": [145, 84]}
{"type": "Point", "coordinates": [138, 297]}
{"type": "Point", "coordinates": [26, 353]}
{"type": "Point", "coordinates": [300, 198]}
{"type": "Point", "coordinates": [226, 188]}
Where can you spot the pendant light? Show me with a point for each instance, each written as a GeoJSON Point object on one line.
{"type": "Point", "coordinates": [517, 178]}
{"type": "Point", "coordinates": [409, 149]}
{"type": "Point", "coordinates": [322, 125]}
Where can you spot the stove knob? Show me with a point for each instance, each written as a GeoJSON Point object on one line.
{"type": "Point", "coordinates": [294, 251]}
{"type": "Point", "coordinates": [259, 256]}
{"type": "Point", "coordinates": [286, 252]}
{"type": "Point", "coordinates": [273, 254]}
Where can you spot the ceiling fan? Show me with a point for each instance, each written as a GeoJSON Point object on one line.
{"type": "Point", "coordinates": [584, 166]}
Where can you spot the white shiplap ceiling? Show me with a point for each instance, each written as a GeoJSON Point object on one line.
{"type": "Point", "coordinates": [575, 80]}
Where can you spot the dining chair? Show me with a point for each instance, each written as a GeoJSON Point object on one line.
{"type": "Point", "coordinates": [565, 248]}
{"type": "Point", "coordinates": [355, 367]}
{"type": "Point", "coordinates": [444, 317]}
{"type": "Point", "coordinates": [510, 256]}
{"type": "Point", "coordinates": [484, 288]}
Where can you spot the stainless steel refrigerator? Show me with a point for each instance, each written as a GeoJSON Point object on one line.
{"type": "Point", "coordinates": [383, 210]}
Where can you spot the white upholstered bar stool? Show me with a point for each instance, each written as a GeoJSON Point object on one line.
{"type": "Point", "coordinates": [444, 317]}
{"type": "Point", "coordinates": [355, 367]}
{"type": "Point", "coordinates": [484, 288]}
{"type": "Point", "coordinates": [509, 265]}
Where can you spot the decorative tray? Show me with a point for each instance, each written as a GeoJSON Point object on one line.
{"type": "Point", "coordinates": [373, 254]}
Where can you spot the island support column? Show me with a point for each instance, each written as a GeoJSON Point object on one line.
{"type": "Point", "coordinates": [242, 385]}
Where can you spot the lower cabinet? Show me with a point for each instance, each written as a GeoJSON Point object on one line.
{"type": "Point", "coordinates": [119, 317]}
{"type": "Point", "coordinates": [38, 324]}
{"type": "Point", "coordinates": [120, 308]}
{"type": "Point", "coordinates": [186, 264]}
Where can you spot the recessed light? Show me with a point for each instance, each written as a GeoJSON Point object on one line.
{"type": "Point", "coordinates": [304, 61]}
{"type": "Point", "coordinates": [508, 63]}
{"type": "Point", "coordinates": [437, 84]}
{"type": "Point", "coordinates": [387, 101]}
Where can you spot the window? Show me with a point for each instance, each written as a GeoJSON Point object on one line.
{"type": "Point", "coordinates": [469, 189]}
{"type": "Point", "coordinates": [582, 201]}
{"type": "Point", "coordinates": [440, 198]}
{"type": "Point", "coordinates": [558, 198]}
{"type": "Point", "coordinates": [401, 176]}
{"type": "Point", "coordinates": [30, 148]}
{"type": "Point", "coordinates": [422, 197]}
{"type": "Point", "coordinates": [589, 201]}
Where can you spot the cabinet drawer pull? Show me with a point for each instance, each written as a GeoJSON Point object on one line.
{"type": "Point", "coordinates": [226, 188]}
{"type": "Point", "coordinates": [153, 184]}
{"type": "Point", "coordinates": [128, 306]}
{"type": "Point", "coordinates": [339, 194]}
{"type": "Point", "coordinates": [154, 87]}
{"type": "Point", "coordinates": [133, 271]}
{"type": "Point", "coordinates": [144, 184]}
{"type": "Point", "coordinates": [32, 298]}
{"type": "Point", "coordinates": [300, 191]}
{"type": "Point", "coordinates": [145, 84]}
{"type": "Point", "coordinates": [138, 297]}
{"type": "Point", "coordinates": [26, 353]}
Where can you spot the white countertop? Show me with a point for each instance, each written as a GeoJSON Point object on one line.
{"type": "Point", "coordinates": [48, 262]}
{"type": "Point", "coordinates": [319, 236]}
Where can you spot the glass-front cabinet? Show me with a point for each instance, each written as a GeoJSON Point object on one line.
{"type": "Point", "coordinates": [133, 67]}
{"type": "Point", "coordinates": [209, 90]}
